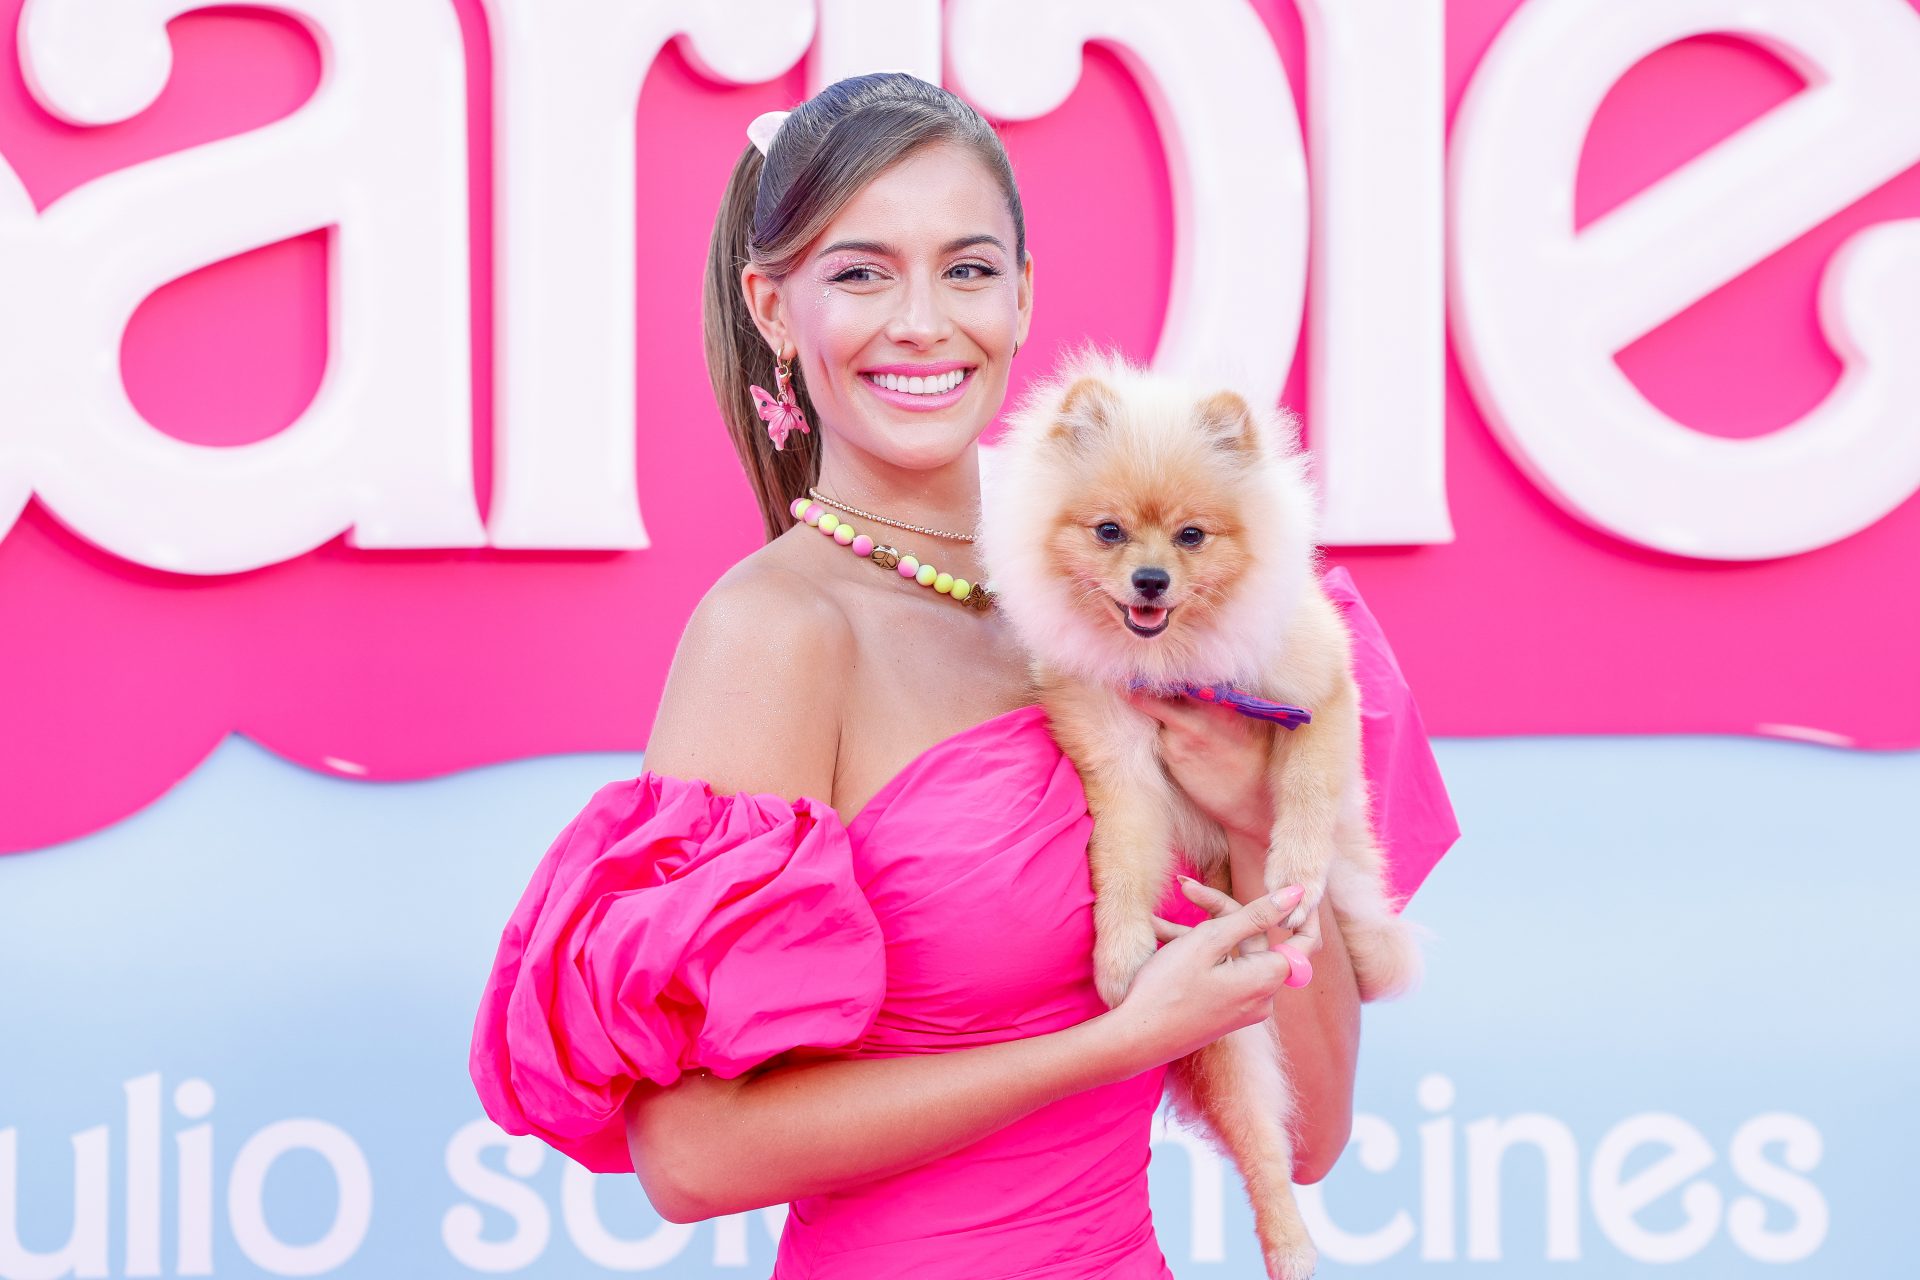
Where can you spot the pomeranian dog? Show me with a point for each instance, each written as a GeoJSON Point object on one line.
{"type": "Point", "coordinates": [1142, 530]}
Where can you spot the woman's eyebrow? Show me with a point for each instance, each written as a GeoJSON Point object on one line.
{"type": "Point", "coordinates": [888, 251]}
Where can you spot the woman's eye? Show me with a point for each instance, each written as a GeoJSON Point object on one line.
{"type": "Point", "coordinates": [1191, 537]}
{"type": "Point", "coordinates": [868, 275]}
{"type": "Point", "coordinates": [1108, 531]}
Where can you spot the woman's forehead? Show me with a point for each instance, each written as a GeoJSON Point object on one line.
{"type": "Point", "coordinates": [925, 204]}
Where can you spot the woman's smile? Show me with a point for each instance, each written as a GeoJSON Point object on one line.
{"type": "Point", "coordinates": [922, 388]}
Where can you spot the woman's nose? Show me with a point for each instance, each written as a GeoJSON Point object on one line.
{"type": "Point", "coordinates": [921, 318]}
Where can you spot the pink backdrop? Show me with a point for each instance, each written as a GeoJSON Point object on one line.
{"type": "Point", "coordinates": [118, 680]}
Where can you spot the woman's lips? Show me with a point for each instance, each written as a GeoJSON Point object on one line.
{"type": "Point", "coordinates": [921, 403]}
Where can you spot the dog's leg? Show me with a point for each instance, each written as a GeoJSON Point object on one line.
{"type": "Point", "coordinates": [1130, 857]}
{"type": "Point", "coordinates": [1130, 851]}
{"type": "Point", "coordinates": [1309, 772]}
{"type": "Point", "coordinates": [1203, 841]}
{"type": "Point", "coordinates": [1236, 1092]}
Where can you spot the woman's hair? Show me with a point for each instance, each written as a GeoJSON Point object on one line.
{"type": "Point", "coordinates": [831, 146]}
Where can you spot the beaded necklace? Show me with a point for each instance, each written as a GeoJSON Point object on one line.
{"type": "Point", "coordinates": [975, 596]}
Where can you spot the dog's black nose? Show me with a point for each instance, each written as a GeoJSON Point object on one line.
{"type": "Point", "coordinates": [1151, 582]}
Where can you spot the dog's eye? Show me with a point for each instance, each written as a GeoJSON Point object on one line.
{"type": "Point", "coordinates": [1190, 536]}
{"type": "Point", "coordinates": [1108, 531]}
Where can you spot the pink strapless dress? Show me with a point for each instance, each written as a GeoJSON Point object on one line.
{"type": "Point", "coordinates": [669, 928]}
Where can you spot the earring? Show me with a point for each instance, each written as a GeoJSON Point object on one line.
{"type": "Point", "coordinates": [1016, 347]}
{"type": "Point", "coordinates": [782, 413]}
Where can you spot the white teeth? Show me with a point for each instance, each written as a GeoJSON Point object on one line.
{"type": "Point", "coordinates": [938, 384]}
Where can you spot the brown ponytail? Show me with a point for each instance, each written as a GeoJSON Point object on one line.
{"type": "Point", "coordinates": [738, 358]}
{"type": "Point", "coordinates": [831, 146]}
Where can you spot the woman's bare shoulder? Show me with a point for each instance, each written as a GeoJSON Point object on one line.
{"type": "Point", "coordinates": [753, 699]}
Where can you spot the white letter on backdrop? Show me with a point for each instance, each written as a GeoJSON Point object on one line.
{"type": "Point", "coordinates": [578, 1207]}
{"type": "Point", "coordinates": [567, 77]}
{"type": "Point", "coordinates": [1540, 310]}
{"type": "Point", "coordinates": [730, 1233]}
{"type": "Point", "coordinates": [1376, 1145]}
{"type": "Point", "coordinates": [1236, 160]}
{"type": "Point", "coordinates": [1488, 1142]}
{"type": "Point", "coordinates": [1377, 366]}
{"type": "Point", "coordinates": [862, 36]}
{"type": "Point", "coordinates": [246, 1198]}
{"type": "Point", "coordinates": [1206, 1187]}
{"type": "Point", "coordinates": [1806, 1209]}
{"type": "Point", "coordinates": [384, 452]}
{"type": "Point", "coordinates": [1618, 1197]}
{"type": "Point", "coordinates": [84, 1255]}
{"type": "Point", "coordinates": [463, 1227]}
{"type": "Point", "coordinates": [18, 327]}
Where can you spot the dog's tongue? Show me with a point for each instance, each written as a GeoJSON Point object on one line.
{"type": "Point", "coordinates": [1146, 618]}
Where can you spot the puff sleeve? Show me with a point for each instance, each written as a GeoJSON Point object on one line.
{"type": "Point", "coordinates": [670, 928]}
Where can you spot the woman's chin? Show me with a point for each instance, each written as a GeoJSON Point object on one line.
{"type": "Point", "coordinates": [923, 444]}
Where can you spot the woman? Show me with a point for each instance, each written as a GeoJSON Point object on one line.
{"type": "Point", "coordinates": [890, 1022]}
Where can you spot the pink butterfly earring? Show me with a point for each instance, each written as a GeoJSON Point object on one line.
{"type": "Point", "coordinates": [782, 414]}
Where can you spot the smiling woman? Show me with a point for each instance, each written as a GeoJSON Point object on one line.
{"type": "Point", "coordinates": [715, 979]}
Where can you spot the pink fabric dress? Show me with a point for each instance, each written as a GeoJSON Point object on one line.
{"type": "Point", "coordinates": [668, 928]}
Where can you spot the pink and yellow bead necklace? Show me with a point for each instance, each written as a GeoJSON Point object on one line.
{"type": "Point", "coordinates": [975, 596]}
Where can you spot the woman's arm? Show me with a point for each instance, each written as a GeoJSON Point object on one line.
{"type": "Point", "coordinates": [1318, 1025]}
{"type": "Point", "coordinates": [706, 1146]}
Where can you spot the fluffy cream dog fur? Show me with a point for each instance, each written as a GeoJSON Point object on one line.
{"type": "Point", "coordinates": [1138, 527]}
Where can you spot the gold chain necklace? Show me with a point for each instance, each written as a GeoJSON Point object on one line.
{"type": "Point", "coordinates": [898, 524]}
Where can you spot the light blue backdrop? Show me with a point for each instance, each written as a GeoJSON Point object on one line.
{"type": "Point", "coordinates": [1671, 983]}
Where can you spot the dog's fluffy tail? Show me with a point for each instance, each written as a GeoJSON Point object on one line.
{"type": "Point", "coordinates": [1387, 960]}
{"type": "Point", "coordinates": [1385, 946]}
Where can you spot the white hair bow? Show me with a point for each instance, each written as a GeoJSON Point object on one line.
{"type": "Point", "coordinates": [764, 126]}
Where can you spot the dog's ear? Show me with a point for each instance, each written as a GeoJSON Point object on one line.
{"type": "Point", "coordinates": [1090, 405]}
{"type": "Point", "coordinates": [1228, 423]}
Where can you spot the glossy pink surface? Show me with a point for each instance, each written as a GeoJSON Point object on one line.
{"type": "Point", "coordinates": [118, 680]}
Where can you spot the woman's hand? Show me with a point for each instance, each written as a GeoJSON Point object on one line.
{"type": "Point", "coordinates": [1210, 978]}
{"type": "Point", "coordinates": [1219, 758]}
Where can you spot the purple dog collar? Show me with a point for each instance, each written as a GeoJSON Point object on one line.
{"type": "Point", "coordinates": [1240, 700]}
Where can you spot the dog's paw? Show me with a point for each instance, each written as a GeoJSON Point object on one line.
{"type": "Point", "coordinates": [1118, 955]}
{"type": "Point", "coordinates": [1297, 1263]}
{"type": "Point", "coordinates": [1302, 919]}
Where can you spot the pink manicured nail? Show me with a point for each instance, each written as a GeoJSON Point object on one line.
{"type": "Point", "coordinates": [1288, 896]}
{"type": "Point", "coordinates": [1299, 970]}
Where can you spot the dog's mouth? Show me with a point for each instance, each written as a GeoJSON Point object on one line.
{"type": "Point", "coordinates": [1145, 620]}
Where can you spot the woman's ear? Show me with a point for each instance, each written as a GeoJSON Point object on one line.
{"type": "Point", "coordinates": [766, 302]}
